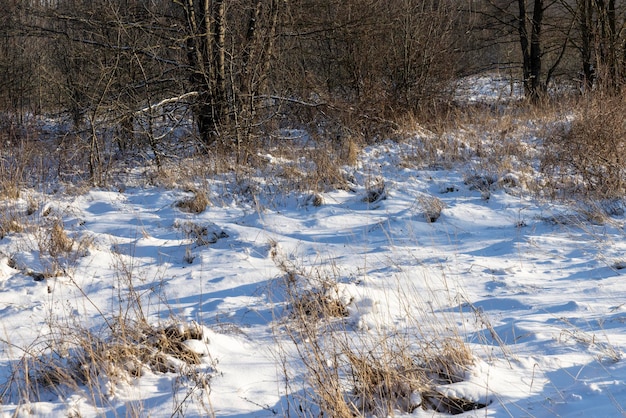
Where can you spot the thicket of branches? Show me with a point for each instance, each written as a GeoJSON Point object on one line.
{"type": "Point", "coordinates": [128, 75]}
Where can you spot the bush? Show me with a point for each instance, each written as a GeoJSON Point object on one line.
{"type": "Point", "coordinates": [587, 156]}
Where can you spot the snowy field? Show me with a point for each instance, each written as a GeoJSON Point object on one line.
{"type": "Point", "coordinates": [532, 288]}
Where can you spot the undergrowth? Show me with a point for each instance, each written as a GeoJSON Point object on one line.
{"type": "Point", "coordinates": [350, 369]}
{"type": "Point", "coordinates": [98, 356]}
{"type": "Point", "coordinates": [356, 370]}
{"type": "Point", "coordinates": [586, 156]}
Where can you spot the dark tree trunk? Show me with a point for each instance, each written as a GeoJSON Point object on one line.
{"type": "Point", "coordinates": [530, 43]}
{"type": "Point", "coordinates": [607, 42]}
{"type": "Point", "coordinates": [586, 32]}
{"type": "Point", "coordinates": [206, 59]}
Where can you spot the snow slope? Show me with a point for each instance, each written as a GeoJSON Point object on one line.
{"type": "Point", "coordinates": [534, 288]}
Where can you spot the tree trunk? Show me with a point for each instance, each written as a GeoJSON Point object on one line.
{"type": "Point", "coordinates": [607, 58]}
{"type": "Point", "coordinates": [531, 48]}
{"type": "Point", "coordinates": [220, 105]}
{"type": "Point", "coordinates": [206, 59]}
{"type": "Point", "coordinates": [586, 33]}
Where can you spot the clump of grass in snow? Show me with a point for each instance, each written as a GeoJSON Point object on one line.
{"type": "Point", "coordinates": [58, 251]}
{"type": "Point", "coordinates": [201, 234]}
{"type": "Point", "coordinates": [318, 303]}
{"type": "Point", "coordinates": [194, 204]}
{"type": "Point", "coordinates": [392, 376]}
{"type": "Point", "coordinates": [72, 357]}
{"type": "Point", "coordinates": [354, 372]}
{"type": "Point", "coordinates": [10, 223]}
{"type": "Point", "coordinates": [45, 238]}
{"type": "Point", "coordinates": [58, 241]}
{"type": "Point", "coordinates": [431, 207]}
{"type": "Point", "coordinates": [13, 219]}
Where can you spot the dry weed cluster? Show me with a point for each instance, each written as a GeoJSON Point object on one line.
{"type": "Point", "coordinates": [195, 204]}
{"type": "Point", "coordinates": [349, 371]}
{"type": "Point", "coordinates": [354, 372]}
{"type": "Point", "coordinates": [586, 156]}
{"type": "Point", "coordinates": [73, 357]}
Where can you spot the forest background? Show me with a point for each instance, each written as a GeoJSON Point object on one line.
{"type": "Point", "coordinates": [146, 80]}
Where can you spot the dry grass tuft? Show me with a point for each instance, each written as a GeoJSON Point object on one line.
{"type": "Point", "coordinates": [12, 219]}
{"type": "Point", "coordinates": [195, 204]}
{"type": "Point", "coordinates": [200, 234]}
{"type": "Point", "coordinates": [394, 378]}
{"type": "Point", "coordinates": [350, 151]}
{"type": "Point", "coordinates": [59, 242]}
{"type": "Point", "coordinates": [9, 190]}
{"type": "Point", "coordinates": [431, 206]}
{"type": "Point", "coordinates": [57, 251]}
{"type": "Point", "coordinates": [71, 358]}
{"type": "Point", "coordinates": [311, 295]}
{"type": "Point", "coordinates": [358, 372]}
{"type": "Point", "coordinates": [316, 304]}
{"type": "Point", "coordinates": [314, 199]}
{"type": "Point", "coordinates": [384, 383]}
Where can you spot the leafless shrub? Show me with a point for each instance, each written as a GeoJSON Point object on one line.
{"type": "Point", "coordinates": [586, 157]}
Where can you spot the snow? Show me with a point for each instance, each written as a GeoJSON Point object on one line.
{"type": "Point", "coordinates": [532, 287]}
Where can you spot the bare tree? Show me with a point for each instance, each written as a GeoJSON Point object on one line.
{"type": "Point", "coordinates": [530, 26]}
{"type": "Point", "coordinates": [229, 47]}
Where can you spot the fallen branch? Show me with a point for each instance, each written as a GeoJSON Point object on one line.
{"type": "Point", "coordinates": [167, 101]}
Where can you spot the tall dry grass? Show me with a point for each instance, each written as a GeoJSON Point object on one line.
{"type": "Point", "coordinates": [354, 371]}
{"type": "Point", "coordinates": [97, 357]}
{"type": "Point", "coordinates": [585, 157]}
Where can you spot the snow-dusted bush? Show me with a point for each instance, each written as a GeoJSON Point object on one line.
{"type": "Point", "coordinates": [587, 155]}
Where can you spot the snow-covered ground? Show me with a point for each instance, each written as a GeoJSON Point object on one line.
{"type": "Point", "coordinates": [533, 288]}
